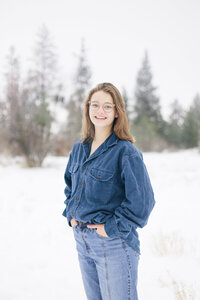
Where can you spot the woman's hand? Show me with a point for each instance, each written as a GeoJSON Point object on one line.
{"type": "Point", "coordinates": [73, 222]}
{"type": "Point", "coordinates": [100, 229]}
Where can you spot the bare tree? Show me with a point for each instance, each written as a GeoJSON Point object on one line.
{"type": "Point", "coordinates": [30, 117]}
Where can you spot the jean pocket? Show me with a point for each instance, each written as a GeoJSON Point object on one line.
{"type": "Point", "coordinates": [101, 236]}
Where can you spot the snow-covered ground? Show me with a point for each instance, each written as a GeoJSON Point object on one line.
{"type": "Point", "coordinates": [38, 258]}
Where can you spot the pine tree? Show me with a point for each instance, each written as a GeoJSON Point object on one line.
{"type": "Point", "coordinates": [148, 125]}
{"type": "Point", "coordinates": [191, 125]}
{"type": "Point", "coordinates": [81, 84]}
{"type": "Point", "coordinates": [39, 95]}
{"type": "Point", "coordinates": [43, 72]}
{"type": "Point", "coordinates": [126, 101]}
{"type": "Point", "coordinates": [196, 109]}
{"type": "Point", "coordinates": [190, 130]}
{"type": "Point", "coordinates": [174, 126]}
{"type": "Point", "coordinates": [147, 103]}
{"type": "Point", "coordinates": [3, 127]}
{"type": "Point", "coordinates": [12, 96]}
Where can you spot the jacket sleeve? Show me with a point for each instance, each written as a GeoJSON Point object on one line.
{"type": "Point", "coordinates": [138, 198]}
{"type": "Point", "coordinates": [67, 191]}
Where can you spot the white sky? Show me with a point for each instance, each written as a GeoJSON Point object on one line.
{"type": "Point", "coordinates": [116, 33]}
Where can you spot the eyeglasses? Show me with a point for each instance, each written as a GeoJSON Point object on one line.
{"type": "Point", "coordinates": [107, 107]}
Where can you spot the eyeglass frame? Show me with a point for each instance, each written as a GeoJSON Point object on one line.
{"type": "Point", "coordinates": [113, 105]}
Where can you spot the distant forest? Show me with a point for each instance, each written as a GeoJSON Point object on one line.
{"type": "Point", "coordinates": [30, 128]}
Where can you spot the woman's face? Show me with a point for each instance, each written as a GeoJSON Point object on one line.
{"type": "Point", "coordinates": [100, 117]}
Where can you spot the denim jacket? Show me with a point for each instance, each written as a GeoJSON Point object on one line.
{"type": "Point", "coordinates": [110, 187]}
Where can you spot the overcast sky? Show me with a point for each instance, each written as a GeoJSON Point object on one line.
{"type": "Point", "coordinates": [116, 33]}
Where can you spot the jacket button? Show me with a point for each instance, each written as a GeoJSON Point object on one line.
{"type": "Point", "coordinates": [98, 176]}
{"type": "Point", "coordinates": [84, 167]}
{"type": "Point", "coordinates": [81, 182]}
{"type": "Point", "coordinates": [72, 214]}
{"type": "Point", "coordinates": [77, 198]}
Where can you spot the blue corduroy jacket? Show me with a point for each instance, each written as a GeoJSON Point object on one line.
{"type": "Point", "coordinates": [110, 187]}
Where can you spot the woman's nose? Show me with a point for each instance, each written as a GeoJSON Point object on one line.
{"type": "Point", "coordinates": [100, 109]}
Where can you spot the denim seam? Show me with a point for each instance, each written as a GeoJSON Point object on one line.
{"type": "Point", "coordinates": [129, 266]}
{"type": "Point", "coordinates": [106, 269]}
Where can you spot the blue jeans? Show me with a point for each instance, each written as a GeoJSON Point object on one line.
{"type": "Point", "coordinates": [109, 267]}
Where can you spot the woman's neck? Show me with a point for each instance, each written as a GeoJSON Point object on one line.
{"type": "Point", "coordinates": [101, 135]}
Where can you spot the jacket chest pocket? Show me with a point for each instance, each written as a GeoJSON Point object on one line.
{"type": "Point", "coordinates": [99, 186]}
{"type": "Point", "coordinates": [101, 176]}
{"type": "Point", "coordinates": [74, 176]}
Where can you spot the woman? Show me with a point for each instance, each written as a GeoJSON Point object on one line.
{"type": "Point", "coordinates": [108, 195]}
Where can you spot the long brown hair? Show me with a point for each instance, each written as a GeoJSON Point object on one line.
{"type": "Point", "coordinates": [120, 124]}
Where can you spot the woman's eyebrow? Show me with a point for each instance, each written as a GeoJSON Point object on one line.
{"type": "Point", "coordinates": [104, 102]}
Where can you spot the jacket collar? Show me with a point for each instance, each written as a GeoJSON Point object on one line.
{"type": "Point", "coordinates": [111, 140]}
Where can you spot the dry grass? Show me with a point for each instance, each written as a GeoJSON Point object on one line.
{"type": "Point", "coordinates": [173, 244]}
{"type": "Point", "coordinates": [181, 290]}
{"type": "Point", "coordinates": [168, 244]}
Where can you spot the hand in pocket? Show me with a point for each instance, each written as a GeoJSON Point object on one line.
{"type": "Point", "coordinates": [73, 222]}
{"type": "Point", "coordinates": [99, 228]}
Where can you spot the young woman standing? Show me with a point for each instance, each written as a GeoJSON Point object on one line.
{"type": "Point", "coordinates": [108, 195]}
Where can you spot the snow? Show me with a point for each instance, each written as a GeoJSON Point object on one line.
{"type": "Point", "coordinates": [38, 255]}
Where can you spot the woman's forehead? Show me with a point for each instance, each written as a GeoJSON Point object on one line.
{"type": "Point", "coordinates": [101, 97]}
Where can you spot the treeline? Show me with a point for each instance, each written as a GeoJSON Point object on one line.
{"type": "Point", "coordinates": [152, 131]}
{"type": "Point", "coordinates": [30, 127]}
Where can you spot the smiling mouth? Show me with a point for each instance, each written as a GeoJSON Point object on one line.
{"type": "Point", "coordinates": [103, 118]}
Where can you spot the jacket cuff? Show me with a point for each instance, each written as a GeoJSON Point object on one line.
{"type": "Point", "coordinates": [111, 228]}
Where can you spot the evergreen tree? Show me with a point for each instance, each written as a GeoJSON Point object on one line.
{"type": "Point", "coordinates": [126, 102]}
{"type": "Point", "coordinates": [12, 96]}
{"type": "Point", "coordinates": [43, 72]}
{"type": "Point", "coordinates": [39, 95]}
{"type": "Point", "coordinates": [196, 109]}
{"type": "Point", "coordinates": [148, 125]}
{"type": "Point", "coordinates": [81, 84]}
{"type": "Point", "coordinates": [3, 127]}
{"type": "Point", "coordinates": [147, 103]}
{"type": "Point", "coordinates": [191, 125]}
{"type": "Point", "coordinates": [146, 135]}
{"type": "Point", "coordinates": [190, 130]}
{"type": "Point", "coordinates": [174, 126]}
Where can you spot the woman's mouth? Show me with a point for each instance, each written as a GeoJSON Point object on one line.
{"type": "Point", "coordinates": [100, 118]}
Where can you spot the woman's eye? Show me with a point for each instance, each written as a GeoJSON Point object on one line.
{"type": "Point", "coordinates": [94, 105]}
{"type": "Point", "coordinates": [108, 106]}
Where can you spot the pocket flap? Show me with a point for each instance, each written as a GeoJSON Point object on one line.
{"type": "Point", "coordinates": [101, 174]}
